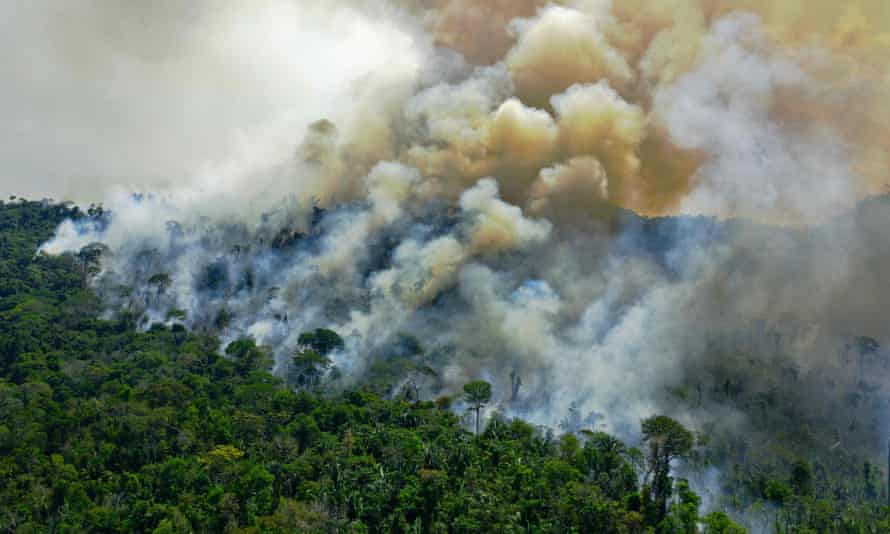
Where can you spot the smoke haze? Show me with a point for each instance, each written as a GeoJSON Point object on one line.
{"type": "Point", "coordinates": [175, 95]}
{"type": "Point", "coordinates": [476, 174]}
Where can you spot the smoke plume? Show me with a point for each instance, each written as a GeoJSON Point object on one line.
{"type": "Point", "coordinates": [482, 177]}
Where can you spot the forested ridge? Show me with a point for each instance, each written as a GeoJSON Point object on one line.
{"type": "Point", "coordinates": [105, 427]}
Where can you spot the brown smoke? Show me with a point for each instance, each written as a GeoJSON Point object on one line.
{"type": "Point", "coordinates": [596, 81]}
{"type": "Point", "coordinates": [479, 30]}
{"type": "Point", "coordinates": [478, 156]}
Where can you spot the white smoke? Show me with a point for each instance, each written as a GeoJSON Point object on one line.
{"type": "Point", "coordinates": [202, 96]}
{"type": "Point", "coordinates": [473, 203]}
{"type": "Point", "coordinates": [755, 164]}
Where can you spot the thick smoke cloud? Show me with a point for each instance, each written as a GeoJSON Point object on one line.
{"type": "Point", "coordinates": [481, 191]}
{"type": "Point", "coordinates": [561, 47]}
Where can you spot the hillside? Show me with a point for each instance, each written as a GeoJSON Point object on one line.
{"type": "Point", "coordinates": [107, 428]}
{"type": "Point", "coordinates": [445, 266]}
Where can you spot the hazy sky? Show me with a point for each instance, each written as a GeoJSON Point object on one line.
{"type": "Point", "coordinates": [98, 93]}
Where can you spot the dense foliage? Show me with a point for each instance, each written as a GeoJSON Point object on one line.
{"type": "Point", "coordinates": [105, 428]}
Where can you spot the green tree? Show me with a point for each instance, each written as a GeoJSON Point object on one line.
{"type": "Point", "coordinates": [720, 523]}
{"type": "Point", "coordinates": [802, 477]}
{"type": "Point", "coordinates": [248, 357]}
{"type": "Point", "coordinates": [322, 341]}
{"type": "Point", "coordinates": [307, 368]}
{"type": "Point", "coordinates": [89, 260]}
{"type": "Point", "coordinates": [777, 491]}
{"type": "Point", "coordinates": [477, 394]}
{"type": "Point", "coordinates": [667, 440]}
{"type": "Point", "coordinates": [686, 510]}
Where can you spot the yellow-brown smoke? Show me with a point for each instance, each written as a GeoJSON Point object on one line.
{"type": "Point", "coordinates": [579, 99]}
{"type": "Point", "coordinates": [480, 169]}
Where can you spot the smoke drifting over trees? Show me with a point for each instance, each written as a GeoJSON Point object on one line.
{"type": "Point", "coordinates": [475, 175]}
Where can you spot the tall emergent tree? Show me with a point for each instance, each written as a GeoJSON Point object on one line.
{"type": "Point", "coordinates": [667, 440]}
{"type": "Point", "coordinates": [310, 362]}
{"type": "Point", "coordinates": [477, 394]}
